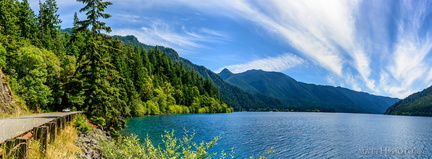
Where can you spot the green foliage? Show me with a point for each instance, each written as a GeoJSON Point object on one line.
{"type": "Point", "coordinates": [81, 124]}
{"type": "Point", "coordinates": [28, 21]}
{"type": "Point", "coordinates": [30, 74]}
{"type": "Point", "coordinates": [139, 109]}
{"type": "Point", "coordinates": [49, 24]}
{"type": "Point", "coordinates": [8, 18]}
{"type": "Point", "coordinates": [232, 95]}
{"type": "Point", "coordinates": [3, 54]}
{"type": "Point", "coordinates": [95, 9]}
{"type": "Point", "coordinates": [297, 94]}
{"type": "Point", "coordinates": [130, 147]}
{"type": "Point", "coordinates": [85, 69]}
{"type": "Point", "coordinates": [171, 147]}
{"type": "Point", "coordinates": [419, 104]}
{"type": "Point", "coordinates": [99, 121]}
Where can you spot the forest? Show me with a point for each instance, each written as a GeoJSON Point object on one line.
{"type": "Point", "coordinates": [417, 104]}
{"type": "Point", "coordinates": [49, 70]}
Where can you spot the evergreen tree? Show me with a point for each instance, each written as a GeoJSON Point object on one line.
{"type": "Point", "coordinates": [27, 21]}
{"type": "Point", "coordinates": [91, 71]}
{"type": "Point", "coordinates": [49, 23]}
{"type": "Point", "coordinates": [8, 19]}
{"type": "Point", "coordinates": [102, 98]}
{"type": "Point", "coordinates": [95, 9]}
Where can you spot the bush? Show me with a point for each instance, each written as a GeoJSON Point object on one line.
{"type": "Point", "coordinates": [81, 124]}
{"type": "Point", "coordinates": [97, 120]}
{"type": "Point", "coordinates": [130, 147]}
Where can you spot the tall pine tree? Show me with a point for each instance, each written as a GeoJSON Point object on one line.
{"type": "Point", "coordinates": [49, 24]}
{"type": "Point", "coordinates": [28, 21]}
{"type": "Point", "coordinates": [102, 98]}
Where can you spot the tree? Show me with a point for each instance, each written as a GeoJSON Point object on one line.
{"type": "Point", "coordinates": [27, 21]}
{"type": "Point", "coordinates": [8, 19]}
{"type": "Point", "coordinates": [95, 9]}
{"type": "Point", "coordinates": [101, 83]}
{"type": "Point", "coordinates": [32, 67]}
{"type": "Point", "coordinates": [49, 23]}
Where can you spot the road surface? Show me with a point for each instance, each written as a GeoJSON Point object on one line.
{"type": "Point", "coordinates": [13, 127]}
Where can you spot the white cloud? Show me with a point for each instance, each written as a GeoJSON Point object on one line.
{"type": "Point", "coordinates": [326, 33]}
{"type": "Point", "coordinates": [183, 40]}
{"type": "Point", "coordinates": [409, 66]}
{"type": "Point", "coordinates": [360, 48]}
{"type": "Point", "coordinates": [280, 63]}
{"type": "Point", "coordinates": [316, 28]}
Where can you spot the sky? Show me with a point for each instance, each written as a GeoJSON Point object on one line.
{"type": "Point", "coordinates": [382, 47]}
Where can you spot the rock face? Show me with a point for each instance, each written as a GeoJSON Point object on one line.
{"type": "Point", "coordinates": [6, 97]}
{"type": "Point", "coordinates": [89, 143]}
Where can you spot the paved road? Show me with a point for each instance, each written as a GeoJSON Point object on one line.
{"type": "Point", "coordinates": [13, 127]}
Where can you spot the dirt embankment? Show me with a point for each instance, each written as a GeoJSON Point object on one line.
{"type": "Point", "coordinates": [7, 102]}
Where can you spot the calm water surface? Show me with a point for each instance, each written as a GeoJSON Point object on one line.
{"type": "Point", "coordinates": [299, 135]}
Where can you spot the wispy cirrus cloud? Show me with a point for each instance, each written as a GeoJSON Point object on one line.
{"type": "Point", "coordinates": [354, 40]}
{"type": "Point", "coordinates": [408, 67]}
{"type": "Point", "coordinates": [280, 63]}
{"type": "Point", "coordinates": [184, 40]}
{"type": "Point", "coordinates": [374, 46]}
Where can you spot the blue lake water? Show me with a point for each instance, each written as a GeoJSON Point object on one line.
{"type": "Point", "coordinates": [299, 134]}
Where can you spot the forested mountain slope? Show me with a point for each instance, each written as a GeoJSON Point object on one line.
{"type": "Point", "coordinates": [233, 95]}
{"type": "Point", "coordinates": [294, 93]}
{"type": "Point", "coordinates": [419, 104]}
{"type": "Point", "coordinates": [88, 70]}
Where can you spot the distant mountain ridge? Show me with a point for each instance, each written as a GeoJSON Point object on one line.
{"type": "Point", "coordinates": [234, 96]}
{"type": "Point", "coordinates": [238, 93]}
{"type": "Point", "coordinates": [294, 93]}
{"type": "Point", "coordinates": [418, 104]}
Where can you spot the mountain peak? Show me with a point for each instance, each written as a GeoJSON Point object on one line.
{"type": "Point", "coordinates": [225, 73]}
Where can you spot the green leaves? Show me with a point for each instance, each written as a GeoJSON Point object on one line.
{"type": "Point", "coordinates": [3, 55]}
{"type": "Point", "coordinates": [90, 71]}
{"type": "Point", "coordinates": [81, 124]}
{"type": "Point", "coordinates": [31, 67]}
{"type": "Point", "coordinates": [130, 147]}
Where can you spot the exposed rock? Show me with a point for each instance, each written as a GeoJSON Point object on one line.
{"type": "Point", "coordinates": [89, 143]}
{"type": "Point", "coordinates": [6, 97]}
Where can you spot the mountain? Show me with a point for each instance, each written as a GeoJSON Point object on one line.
{"type": "Point", "coordinates": [294, 93]}
{"type": "Point", "coordinates": [232, 95]}
{"type": "Point", "coordinates": [419, 104]}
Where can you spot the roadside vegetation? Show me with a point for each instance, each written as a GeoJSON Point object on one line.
{"type": "Point", "coordinates": [63, 147]}
{"type": "Point", "coordinates": [125, 147]}
{"type": "Point", "coordinates": [171, 148]}
{"type": "Point", "coordinates": [87, 70]}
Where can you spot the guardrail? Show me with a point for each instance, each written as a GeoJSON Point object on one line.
{"type": "Point", "coordinates": [17, 147]}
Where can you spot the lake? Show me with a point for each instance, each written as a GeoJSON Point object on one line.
{"type": "Point", "coordinates": [299, 134]}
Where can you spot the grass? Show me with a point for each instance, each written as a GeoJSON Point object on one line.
{"type": "Point", "coordinates": [63, 147]}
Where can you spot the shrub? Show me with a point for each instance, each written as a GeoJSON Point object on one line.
{"type": "Point", "coordinates": [130, 147]}
{"type": "Point", "coordinates": [97, 120]}
{"type": "Point", "coordinates": [81, 124]}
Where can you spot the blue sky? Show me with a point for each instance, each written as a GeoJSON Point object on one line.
{"type": "Point", "coordinates": [378, 46]}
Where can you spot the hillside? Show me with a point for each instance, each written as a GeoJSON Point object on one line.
{"type": "Point", "coordinates": [232, 95]}
{"type": "Point", "coordinates": [418, 104]}
{"type": "Point", "coordinates": [81, 68]}
{"type": "Point", "coordinates": [294, 93]}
